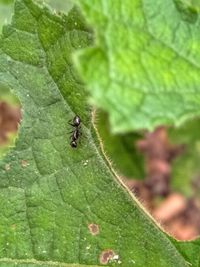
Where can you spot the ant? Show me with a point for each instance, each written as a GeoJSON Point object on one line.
{"type": "Point", "coordinates": [76, 133]}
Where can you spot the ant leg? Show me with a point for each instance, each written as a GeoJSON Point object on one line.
{"type": "Point", "coordinates": [71, 123]}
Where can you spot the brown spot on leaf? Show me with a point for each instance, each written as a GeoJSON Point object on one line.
{"type": "Point", "coordinates": [93, 228]}
{"type": "Point", "coordinates": [7, 167]}
{"type": "Point", "coordinates": [24, 163]}
{"type": "Point", "coordinates": [106, 256]}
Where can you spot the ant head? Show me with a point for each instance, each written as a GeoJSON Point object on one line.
{"type": "Point", "coordinates": [76, 120]}
{"type": "Point", "coordinates": [73, 144]}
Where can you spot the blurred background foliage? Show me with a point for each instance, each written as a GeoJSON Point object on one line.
{"type": "Point", "coordinates": [186, 168]}
{"type": "Point", "coordinates": [121, 149]}
{"type": "Point", "coordinates": [9, 119]}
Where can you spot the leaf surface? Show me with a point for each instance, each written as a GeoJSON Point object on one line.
{"type": "Point", "coordinates": [61, 206]}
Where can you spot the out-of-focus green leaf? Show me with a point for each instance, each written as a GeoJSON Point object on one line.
{"type": "Point", "coordinates": [60, 5]}
{"type": "Point", "coordinates": [6, 9]}
{"type": "Point", "coordinates": [189, 9]}
{"type": "Point", "coordinates": [186, 168]}
{"type": "Point", "coordinates": [145, 67]}
{"type": "Point", "coordinates": [121, 149]}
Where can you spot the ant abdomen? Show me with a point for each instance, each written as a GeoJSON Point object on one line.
{"type": "Point", "coordinates": [73, 144]}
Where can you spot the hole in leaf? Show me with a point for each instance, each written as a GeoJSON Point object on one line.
{"type": "Point", "coordinates": [10, 116]}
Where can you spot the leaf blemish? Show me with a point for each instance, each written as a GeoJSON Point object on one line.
{"type": "Point", "coordinates": [116, 259]}
{"type": "Point", "coordinates": [7, 167]}
{"type": "Point", "coordinates": [93, 228]}
{"type": "Point", "coordinates": [24, 163]}
{"type": "Point", "coordinates": [107, 256]}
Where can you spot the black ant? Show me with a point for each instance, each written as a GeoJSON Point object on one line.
{"type": "Point", "coordinates": [76, 133]}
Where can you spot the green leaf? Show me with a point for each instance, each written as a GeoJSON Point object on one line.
{"type": "Point", "coordinates": [189, 9]}
{"type": "Point", "coordinates": [121, 149]}
{"type": "Point", "coordinates": [186, 167]}
{"type": "Point", "coordinates": [144, 68]}
{"type": "Point", "coordinates": [34, 263]}
{"type": "Point", "coordinates": [190, 251]}
{"type": "Point", "coordinates": [60, 4]}
{"type": "Point", "coordinates": [5, 95]}
{"type": "Point", "coordinates": [60, 205]}
{"type": "Point", "coordinates": [4, 148]}
{"type": "Point", "coordinates": [6, 9]}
